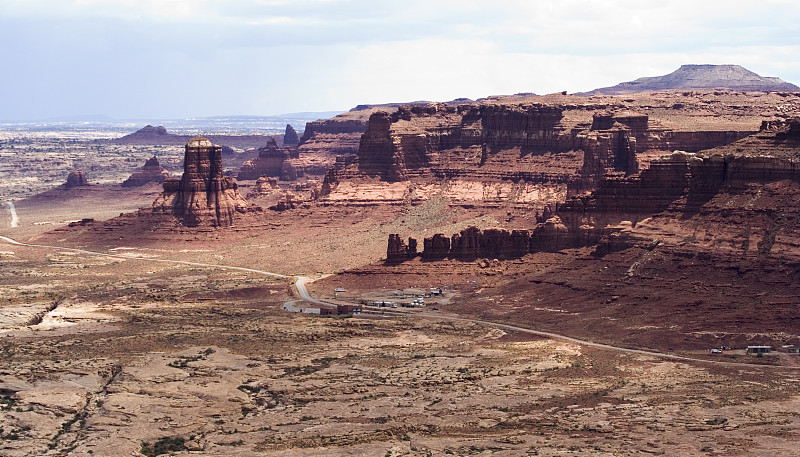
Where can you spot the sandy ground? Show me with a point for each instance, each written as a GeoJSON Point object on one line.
{"type": "Point", "coordinates": [127, 357]}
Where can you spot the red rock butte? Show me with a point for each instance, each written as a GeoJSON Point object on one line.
{"type": "Point", "coordinates": [203, 196]}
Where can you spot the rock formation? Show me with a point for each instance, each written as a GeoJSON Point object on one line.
{"type": "Point", "coordinates": [152, 171]}
{"type": "Point", "coordinates": [326, 139]}
{"type": "Point", "coordinates": [687, 77]}
{"type": "Point", "coordinates": [75, 179]}
{"type": "Point", "coordinates": [729, 193]}
{"type": "Point", "coordinates": [151, 135]}
{"type": "Point", "coordinates": [203, 196]}
{"type": "Point", "coordinates": [264, 186]}
{"type": "Point", "coordinates": [470, 244]}
{"type": "Point", "coordinates": [271, 161]}
{"type": "Point", "coordinates": [290, 137]}
{"type": "Point", "coordinates": [289, 200]}
{"type": "Point", "coordinates": [398, 251]}
{"type": "Point", "coordinates": [530, 152]}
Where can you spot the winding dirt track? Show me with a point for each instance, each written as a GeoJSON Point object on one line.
{"type": "Point", "coordinates": [300, 282]}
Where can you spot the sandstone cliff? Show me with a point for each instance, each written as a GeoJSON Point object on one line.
{"type": "Point", "coordinates": [493, 154]}
{"type": "Point", "coordinates": [203, 196]}
{"type": "Point", "coordinates": [741, 198]}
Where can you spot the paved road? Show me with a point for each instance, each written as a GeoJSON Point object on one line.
{"type": "Point", "coordinates": [301, 281]}
{"type": "Point", "coordinates": [557, 336]}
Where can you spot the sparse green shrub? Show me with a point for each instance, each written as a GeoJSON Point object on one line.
{"type": "Point", "coordinates": [164, 446]}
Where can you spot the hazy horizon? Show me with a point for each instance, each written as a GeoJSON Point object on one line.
{"type": "Point", "coordinates": [178, 59]}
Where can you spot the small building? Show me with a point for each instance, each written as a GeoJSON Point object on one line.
{"type": "Point", "coordinates": [791, 349]}
{"type": "Point", "coordinates": [328, 311]}
{"type": "Point", "coordinates": [759, 349]}
{"type": "Point", "coordinates": [348, 309]}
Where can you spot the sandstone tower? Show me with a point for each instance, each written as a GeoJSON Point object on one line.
{"type": "Point", "coordinates": [203, 196]}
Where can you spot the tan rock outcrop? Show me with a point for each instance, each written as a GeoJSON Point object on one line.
{"type": "Point", "coordinates": [264, 186]}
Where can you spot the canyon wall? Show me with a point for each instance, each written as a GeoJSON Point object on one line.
{"type": "Point", "coordinates": [530, 143]}
{"type": "Point", "coordinates": [735, 197]}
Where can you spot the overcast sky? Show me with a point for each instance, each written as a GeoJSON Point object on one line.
{"type": "Point", "coordinates": [185, 58]}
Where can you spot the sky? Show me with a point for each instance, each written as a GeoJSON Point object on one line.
{"type": "Point", "coordinates": [163, 59]}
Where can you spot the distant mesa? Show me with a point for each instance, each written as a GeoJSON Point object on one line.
{"type": "Point", "coordinates": [152, 171]}
{"type": "Point", "coordinates": [76, 178]}
{"type": "Point", "coordinates": [203, 196]}
{"type": "Point", "coordinates": [700, 77]}
{"type": "Point", "coordinates": [149, 135]}
{"type": "Point", "coordinates": [290, 138]}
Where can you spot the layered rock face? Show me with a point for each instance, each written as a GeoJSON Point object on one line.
{"type": "Point", "coordinates": [682, 186]}
{"type": "Point", "coordinates": [334, 126]}
{"type": "Point", "coordinates": [744, 197]}
{"type": "Point", "coordinates": [152, 171]}
{"type": "Point", "coordinates": [448, 141]}
{"type": "Point", "coordinates": [203, 196]}
{"type": "Point", "coordinates": [75, 179]}
{"type": "Point", "coordinates": [271, 161]}
{"type": "Point", "coordinates": [538, 147]}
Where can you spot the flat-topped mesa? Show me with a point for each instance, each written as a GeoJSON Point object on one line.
{"type": "Point", "coordinates": [203, 196]}
{"type": "Point", "coordinates": [75, 178]}
{"type": "Point", "coordinates": [152, 171]}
